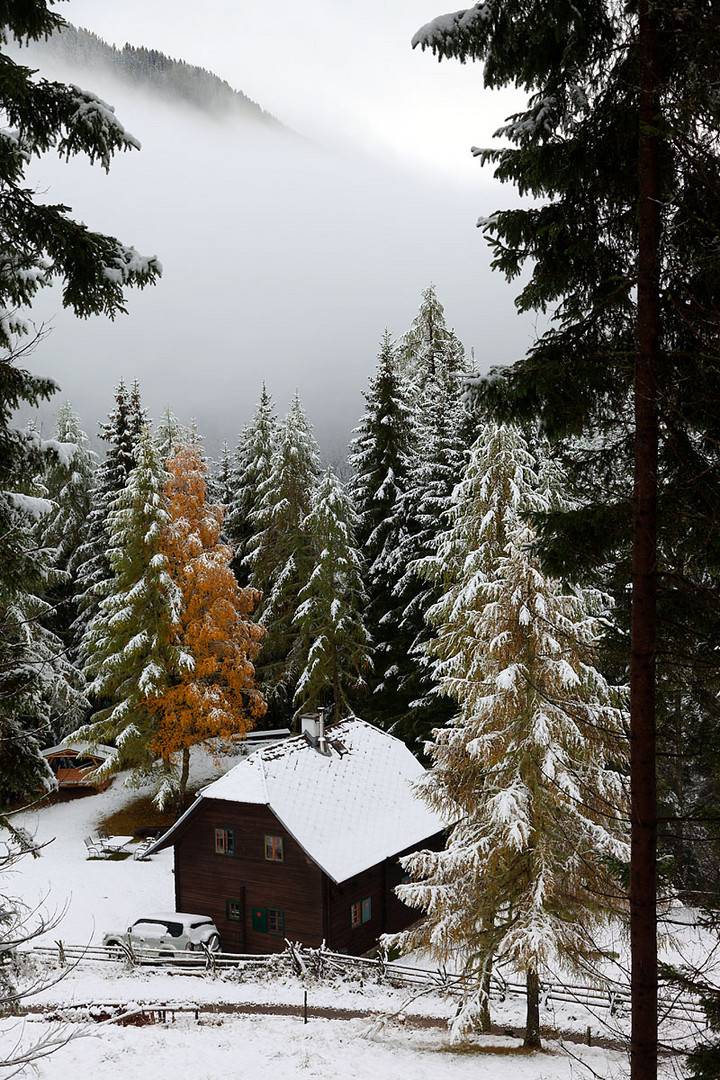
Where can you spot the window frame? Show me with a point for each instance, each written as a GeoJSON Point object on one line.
{"type": "Point", "coordinates": [276, 847]}
{"type": "Point", "coordinates": [234, 903]}
{"type": "Point", "coordinates": [224, 841]}
{"type": "Point", "coordinates": [278, 916]}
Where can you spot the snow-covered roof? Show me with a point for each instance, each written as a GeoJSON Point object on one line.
{"type": "Point", "coordinates": [91, 749]}
{"type": "Point", "coordinates": [348, 810]}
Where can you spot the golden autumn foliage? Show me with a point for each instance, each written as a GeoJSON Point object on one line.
{"type": "Point", "coordinates": [216, 697]}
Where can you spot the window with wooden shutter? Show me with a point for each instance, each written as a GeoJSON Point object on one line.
{"type": "Point", "coordinates": [268, 921]}
{"type": "Point", "coordinates": [360, 912]}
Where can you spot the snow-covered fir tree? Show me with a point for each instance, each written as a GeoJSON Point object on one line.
{"type": "Point", "coordinates": [219, 484]}
{"type": "Point", "coordinates": [130, 645]}
{"type": "Point", "coordinates": [250, 471]}
{"type": "Point", "coordinates": [430, 352]}
{"type": "Point", "coordinates": [336, 645]}
{"type": "Point", "coordinates": [69, 481]}
{"type": "Point", "coordinates": [170, 433]}
{"type": "Point", "coordinates": [39, 688]}
{"type": "Point", "coordinates": [280, 556]}
{"type": "Point", "coordinates": [379, 455]}
{"type": "Point", "coordinates": [440, 425]}
{"type": "Point", "coordinates": [121, 431]}
{"type": "Point", "coordinates": [530, 763]}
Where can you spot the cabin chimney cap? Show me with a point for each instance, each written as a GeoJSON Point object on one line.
{"type": "Point", "coordinates": [312, 726]}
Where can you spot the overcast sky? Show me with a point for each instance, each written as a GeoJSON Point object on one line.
{"type": "Point", "coordinates": [284, 262]}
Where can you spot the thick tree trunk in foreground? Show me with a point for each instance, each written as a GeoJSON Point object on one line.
{"type": "Point", "coordinates": [532, 1027]}
{"type": "Point", "coordinates": [643, 644]}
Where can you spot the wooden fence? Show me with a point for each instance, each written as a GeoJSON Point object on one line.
{"type": "Point", "coordinates": [612, 998]}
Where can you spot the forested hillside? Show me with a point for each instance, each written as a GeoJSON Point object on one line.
{"type": "Point", "coordinates": [153, 69]}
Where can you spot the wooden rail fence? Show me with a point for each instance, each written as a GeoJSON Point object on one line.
{"type": "Point", "coordinates": [612, 997]}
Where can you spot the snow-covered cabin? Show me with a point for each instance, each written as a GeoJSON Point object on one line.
{"type": "Point", "coordinates": [74, 763]}
{"type": "Point", "coordinates": [301, 841]}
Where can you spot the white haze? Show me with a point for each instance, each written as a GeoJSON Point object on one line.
{"type": "Point", "coordinates": [284, 261]}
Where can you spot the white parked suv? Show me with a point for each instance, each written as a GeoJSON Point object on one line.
{"type": "Point", "coordinates": [169, 933]}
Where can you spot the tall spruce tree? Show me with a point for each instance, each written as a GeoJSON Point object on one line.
{"type": "Point", "coordinates": [94, 570]}
{"type": "Point", "coordinates": [430, 352]}
{"type": "Point", "coordinates": [440, 425]}
{"type": "Point", "coordinates": [280, 556]}
{"type": "Point", "coordinates": [170, 434]}
{"type": "Point", "coordinates": [41, 242]}
{"type": "Point", "coordinates": [379, 455]}
{"type": "Point", "coordinates": [336, 645]}
{"type": "Point", "coordinates": [526, 876]}
{"type": "Point", "coordinates": [39, 689]}
{"type": "Point", "coordinates": [250, 471]}
{"type": "Point", "coordinates": [69, 480]}
{"type": "Point", "coordinates": [618, 147]}
{"type": "Point", "coordinates": [131, 649]}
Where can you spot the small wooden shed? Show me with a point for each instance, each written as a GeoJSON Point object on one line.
{"type": "Point", "coordinates": [74, 762]}
{"type": "Point", "coordinates": [302, 841]}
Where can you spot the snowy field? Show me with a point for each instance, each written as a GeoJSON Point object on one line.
{"type": "Point", "coordinates": [90, 897]}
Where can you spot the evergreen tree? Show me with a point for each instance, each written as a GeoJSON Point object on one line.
{"type": "Point", "coordinates": [214, 698]}
{"type": "Point", "coordinates": [439, 423]}
{"type": "Point", "coordinates": [330, 616]}
{"type": "Point", "coordinates": [281, 556]}
{"type": "Point", "coordinates": [219, 484]}
{"type": "Point", "coordinates": [617, 145]}
{"type": "Point", "coordinates": [429, 352]}
{"type": "Point", "coordinates": [251, 470]}
{"type": "Point", "coordinates": [40, 241]}
{"type": "Point", "coordinates": [170, 434]}
{"type": "Point", "coordinates": [131, 650]}
{"type": "Point", "coordinates": [69, 480]}
{"type": "Point", "coordinates": [121, 431]}
{"type": "Point", "coordinates": [39, 689]}
{"type": "Point", "coordinates": [526, 876]}
{"type": "Point", "coordinates": [379, 455]}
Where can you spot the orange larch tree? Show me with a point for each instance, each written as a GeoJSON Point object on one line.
{"type": "Point", "coordinates": [215, 698]}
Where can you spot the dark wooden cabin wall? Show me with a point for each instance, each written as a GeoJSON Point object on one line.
{"type": "Point", "coordinates": [205, 881]}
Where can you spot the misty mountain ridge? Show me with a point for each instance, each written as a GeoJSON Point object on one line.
{"type": "Point", "coordinates": [176, 80]}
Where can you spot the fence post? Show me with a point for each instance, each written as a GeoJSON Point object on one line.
{"type": "Point", "coordinates": [61, 953]}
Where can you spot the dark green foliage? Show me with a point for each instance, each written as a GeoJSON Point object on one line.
{"type": "Point", "coordinates": [40, 242]}
{"type": "Point", "coordinates": [250, 471]}
{"type": "Point", "coordinates": [38, 688]}
{"type": "Point", "coordinates": [281, 558]}
{"type": "Point", "coordinates": [574, 149]}
{"type": "Point", "coordinates": [121, 432]}
{"type": "Point", "coordinates": [379, 455]}
{"type": "Point", "coordinates": [335, 643]}
{"type": "Point", "coordinates": [69, 481]}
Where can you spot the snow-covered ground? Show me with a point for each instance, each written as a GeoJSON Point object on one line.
{"type": "Point", "coordinates": [92, 896]}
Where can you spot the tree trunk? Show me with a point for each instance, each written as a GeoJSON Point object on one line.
{"type": "Point", "coordinates": [484, 1016]}
{"type": "Point", "coordinates": [184, 774]}
{"type": "Point", "coordinates": [532, 1026]}
{"type": "Point", "coordinates": [643, 642]}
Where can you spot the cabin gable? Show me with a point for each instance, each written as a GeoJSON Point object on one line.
{"type": "Point", "coordinates": [238, 863]}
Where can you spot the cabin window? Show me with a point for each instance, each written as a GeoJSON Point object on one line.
{"type": "Point", "coordinates": [224, 842]}
{"type": "Point", "coordinates": [233, 910]}
{"type": "Point", "coordinates": [361, 912]}
{"type": "Point", "coordinates": [268, 921]}
{"type": "Point", "coordinates": [274, 849]}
